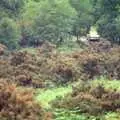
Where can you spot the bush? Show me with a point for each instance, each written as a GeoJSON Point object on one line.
{"type": "Point", "coordinates": [18, 104]}
{"type": "Point", "coordinates": [88, 99]}
{"type": "Point", "coordinates": [103, 64]}
{"type": "Point", "coordinates": [58, 68]}
{"type": "Point", "coordinates": [99, 59]}
{"type": "Point", "coordinates": [2, 49]}
{"type": "Point", "coordinates": [9, 33]}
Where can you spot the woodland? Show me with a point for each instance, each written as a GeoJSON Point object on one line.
{"type": "Point", "coordinates": [59, 59]}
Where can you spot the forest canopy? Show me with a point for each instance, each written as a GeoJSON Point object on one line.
{"type": "Point", "coordinates": [25, 22]}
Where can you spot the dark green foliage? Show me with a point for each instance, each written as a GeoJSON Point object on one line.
{"type": "Point", "coordinates": [9, 27]}
{"type": "Point", "coordinates": [57, 21]}
{"type": "Point", "coordinates": [54, 21]}
{"type": "Point", "coordinates": [27, 36]}
{"type": "Point", "coordinates": [12, 7]}
{"type": "Point", "coordinates": [107, 17]}
{"type": "Point", "coordinates": [9, 33]}
{"type": "Point", "coordinates": [84, 18]}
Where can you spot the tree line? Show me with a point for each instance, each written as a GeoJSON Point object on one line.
{"type": "Point", "coordinates": [29, 22]}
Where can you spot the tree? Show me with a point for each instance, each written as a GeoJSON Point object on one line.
{"type": "Point", "coordinates": [9, 18]}
{"type": "Point", "coordinates": [31, 11]}
{"type": "Point", "coordinates": [54, 20]}
{"type": "Point", "coordinates": [12, 7]}
{"type": "Point", "coordinates": [84, 18]}
{"type": "Point", "coordinates": [108, 18]}
{"type": "Point", "coordinates": [9, 33]}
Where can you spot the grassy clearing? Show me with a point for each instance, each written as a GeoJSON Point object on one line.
{"type": "Point", "coordinates": [63, 114]}
{"type": "Point", "coordinates": [112, 116]}
{"type": "Point", "coordinates": [69, 49]}
{"type": "Point", "coordinates": [46, 96]}
{"type": "Point", "coordinates": [108, 84]}
{"type": "Point", "coordinates": [30, 50]}
{"type": "Point", "coordinates": [69, 46]}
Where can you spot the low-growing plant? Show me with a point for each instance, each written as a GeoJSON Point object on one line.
{"type": "Point", "coordinates": [87, 99]}
{"type": "Point", "coordinates": [19, 104]}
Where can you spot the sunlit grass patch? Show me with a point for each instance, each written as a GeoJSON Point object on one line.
{"type": "Point", "coordinates": [69, 46]}
{"type": "Point", "coordinates": [63, 114]}
{"type": "Point", "coordinates": [108, 84]}
{"type": "Point", "coordinates": [112, 116]}
{"type": "Point", "coordinates": [29, 50]}
{"type": "Point", "coordinates": [46, 96]}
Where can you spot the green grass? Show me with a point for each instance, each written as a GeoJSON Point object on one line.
{"type": "Point", "coordinates": [63, 114]}
{"type": "Point", "coordinates": [29, 50]}
{"type": "Point", "coordinates": [68, 49]}
{"type": "Point", "coordinates": [46, 96]}
{"type": "Point", "coordinates": [108, 84]}
{"type": "Point", "coordinates": [69, 46]}
{"type": "Point", "coordinates": [112, 116]}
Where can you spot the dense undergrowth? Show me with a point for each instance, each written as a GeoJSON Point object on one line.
{"type": "Point", "coordinates": [62, 113]}
{"type": "Point", "coordinates": [95, 100]}
{"type": "Point", "coordinates": [19, 104]}
{"type": "Point", "coordinates": [88, 99]}
{"type": "Point", "coordinates": [46, 68]}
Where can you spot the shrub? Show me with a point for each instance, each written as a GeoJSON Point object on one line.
{"type": "Point", "coordinates": [18, 104]}
{"type": "Point", "coordinates": [99, 60]}
{"type": "Point", "coordinates": [59, 68]}
{"type": "Point", "coordinates": [87, 99]}
{"type": "Point", "coordinates": [2, 49]}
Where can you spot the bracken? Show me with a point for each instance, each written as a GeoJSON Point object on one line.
{"type": "Point", "coordinates": [90, 100]}
{"type": "Point", "coordinates": [18, 104]}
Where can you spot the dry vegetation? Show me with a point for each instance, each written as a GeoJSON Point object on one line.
{"type": "Point", "coordinates": [88, 99]}
{"type": "Point", "coordinates": [48, 65]}
{"type": "Point", "coordinates": [18, 104]}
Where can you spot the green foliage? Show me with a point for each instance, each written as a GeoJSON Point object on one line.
{"type": "Point", "coordinates": [9, 33]}
{"type": "Point", "coordinates": [54, 20]}
{"type": "Point", "coordinates": [108, 84]}
{"type": "Point", "coordinates": [63, 114]}
{"type": "Point", "coordinates": [9, 27]}
{"type": "Point", "coordinates": [50, 94]}
{"type": "Point", "coordinates": [112, 116]}
{"type": "Point", "coordinates": [12, 7]}
{"type": "Point", "coordinates": [69, 46]}
{"type": "Point", "coordinates": [93, 100]}
{"type": "Point", "coordinates": [84, 18]}
{"type": "Point", "coordinates": [107, 17]}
